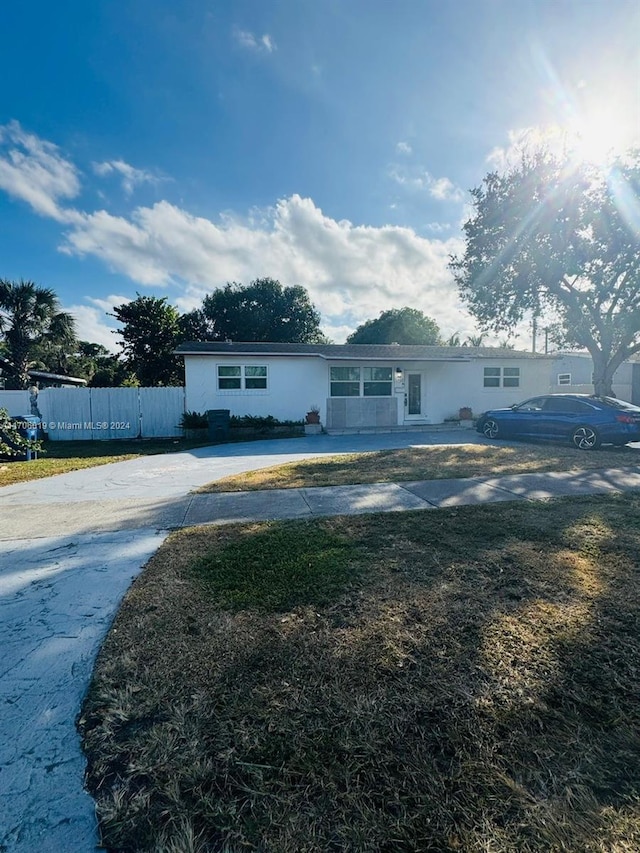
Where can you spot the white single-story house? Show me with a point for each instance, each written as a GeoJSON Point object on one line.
{"type": "Point", "coordinates": [358, 385]}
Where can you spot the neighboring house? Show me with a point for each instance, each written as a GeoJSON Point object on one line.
{"type": "Point", "coordinates": [358, 385]}
{"type": "Point", "coordinates": [572, 372]}
{"type": "Point", "coordinates": [43, 378]}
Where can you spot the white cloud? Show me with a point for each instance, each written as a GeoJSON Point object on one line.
{"type": "Point", "coordinates": [352, 271]}
{"type": "Point", "coordinates": [418, 179]}
{"type": "Point", "coordinates": [349, 269]}
{"type": "Point", "coordinates": [91, 326]}
{"type": "Point", "coordinates": [107, 304]}
{"type": "Point", "coordinates": [403, 148]}
{"type": "Point", "coordinates": [34, 171]}
{"type": "Point", "coordinates": [257, 44]}
{"type": "Point", "coordinates": [444, 190]}
{"type": "Point", "coordinates": [131, 177]}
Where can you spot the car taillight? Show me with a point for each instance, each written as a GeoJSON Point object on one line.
{"type": "Point", "coordinates": [625, 419]}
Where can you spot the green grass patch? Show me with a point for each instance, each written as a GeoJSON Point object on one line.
{"type": "Point", "coordinates": [426, 463]}
{"type": "Point", "coordinates": [283, 566]}
{"type": "Point", "coordinates": [469, 681]}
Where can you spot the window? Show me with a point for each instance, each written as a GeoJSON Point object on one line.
{"type": "Point", "coordinates": [376, 381]}
{"type": "Point", "coordinates": [507, 377]}
{"type": "Point", "coordinates": [566, 405]}
{"type": "Point", "coordinates": [255, 377]}
{"type": "Point", "coordinates": [345, 381]}
{"type": "Point", "coordinates": [237, 378]}
{"type": "Point", "coordinates": [492, 377]}
{"type": "Point", "coordinates": [534, 405]}
{"type": "Point", "coordinates": [511, 377]}
{"type": "Point", "coordinates": [564, 379]}
{"type": "Point", "coordinates": [361, 382]}
{"type": "Point", "coordinates": [229, 377]}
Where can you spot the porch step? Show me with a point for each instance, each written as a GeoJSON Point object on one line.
{"type": "Point", "coordinates": [388, 429]}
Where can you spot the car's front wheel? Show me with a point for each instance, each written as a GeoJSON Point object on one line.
{"type": "Point", "coordinates": [585, 438]}
{"type": "Point", "coordinates": [490, 428]}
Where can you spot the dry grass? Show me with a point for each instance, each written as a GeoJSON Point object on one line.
{"type": "Point", "coordinates": [425, 463]}
{"type": "Point", "coordinates": [60, 457]}
{"type": "Point", "coordinates": [462, 680]}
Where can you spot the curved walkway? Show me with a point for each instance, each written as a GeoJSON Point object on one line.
{"type": "Point", "coordinates": [71, 546]}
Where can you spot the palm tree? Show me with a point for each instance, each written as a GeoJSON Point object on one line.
{"type": "Point", "coordinates": [475, 340]}
{"type": "Point", "coordinates": [29, 317]}
{"type": "Point", "coordinates": [454, 340]}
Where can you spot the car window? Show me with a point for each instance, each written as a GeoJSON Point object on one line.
{"type": "Point", "coordinates": [565, 405]}
{"type": "Point", "coordinates": [534, 405]}
{"type": "Point", "coordinates": [618, 404]}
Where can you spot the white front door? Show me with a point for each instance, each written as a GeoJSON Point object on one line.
{"type": "Point", "coordinates": [413, 404]}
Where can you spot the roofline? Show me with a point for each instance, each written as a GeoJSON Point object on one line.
{"type": "Point", "coordinates": [390, 357]}
{"type": "Point", "coordinates": [387, 357]}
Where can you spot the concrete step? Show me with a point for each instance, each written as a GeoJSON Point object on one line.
{"type": "Point", "coordinates": [391, 429]}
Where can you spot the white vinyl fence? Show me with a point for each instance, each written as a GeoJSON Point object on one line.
{"type": "Point", "coordinates": [72, 414]}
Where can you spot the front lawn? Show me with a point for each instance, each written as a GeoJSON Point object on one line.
{"type": "Point", "coordinates": [425, 463]}
{"type": "Point", "coordinates": [457, 680]}
{"type": "Point", "coordinates": [63, 456]}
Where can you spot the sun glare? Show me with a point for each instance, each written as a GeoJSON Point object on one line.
{"type": "Point", "coordinates": [598, 136]}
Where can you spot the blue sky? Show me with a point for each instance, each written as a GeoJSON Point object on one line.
{"type": "Point", "coordinates": [166, 148]}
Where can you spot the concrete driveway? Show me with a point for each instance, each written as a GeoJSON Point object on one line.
{"type": "Point", "coordinates": [72, 544]}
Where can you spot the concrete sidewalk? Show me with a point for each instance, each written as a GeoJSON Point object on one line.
{"type": "Point", "coordinates": [71, 546]}
{"type": "Point", "coordinates": [25, 520]}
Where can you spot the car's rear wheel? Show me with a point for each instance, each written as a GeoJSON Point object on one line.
{"type": "Point", "coordinates": [490, 428]}
{"type": "Point", "coordinates": [585, 438]}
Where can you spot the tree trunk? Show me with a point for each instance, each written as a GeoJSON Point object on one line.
{"type": "Point", "coordinates": [603, 371]}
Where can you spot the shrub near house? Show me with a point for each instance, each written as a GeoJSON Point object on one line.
{"type": "Point", "coordinates": [13, 445]}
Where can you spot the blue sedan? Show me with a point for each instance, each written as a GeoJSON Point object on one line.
{"type": "Point", "coordinates": [586, 421]}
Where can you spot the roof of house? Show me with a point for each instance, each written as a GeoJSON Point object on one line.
{"type": "Point", "coordinates": [45, 376]}
{"type": "Point", "coordinates": [58, 378]}
{"type": "Point", "coordinates": [352, 351]}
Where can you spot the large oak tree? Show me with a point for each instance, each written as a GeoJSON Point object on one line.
{"type": "Point", "coordinates": [562, 237]}
{"type": "Point", "coordinates": [397, 325]}
{"type": "Point", "coordinates": [263, 310]}
{"type": "Point", "coordinates": [150, 333]}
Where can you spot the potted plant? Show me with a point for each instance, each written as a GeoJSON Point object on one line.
{"type": "Point", "coordinates": [313, 415]}
{"type": "Point", "coordinates": [466, 416]}
{"type": "Point", "coordinates": [312, 421]}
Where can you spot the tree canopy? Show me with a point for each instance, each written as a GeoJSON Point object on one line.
{"type": "Point", "coordinates": [562, 237]}
{"type": "Point", "coordinates": [30, 318]}
{"type": "Point", "coordinates": [397, 325]}
{"type": "Point", "coordinates": [150, 333]}
{"type": "Point", "coordinates": [263, 310]}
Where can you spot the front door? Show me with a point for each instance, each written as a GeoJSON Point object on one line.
{"type": "Point", "coordinates": [413, 397]}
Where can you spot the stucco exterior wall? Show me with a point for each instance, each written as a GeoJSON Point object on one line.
{"type": "Point", "coordinates": [296, 383]}
{"type": "Point", "coordinates": [293, 386]}
{"type": "Point", "coordinates": [449, 386]}
{"type": "Point", "coordinates": [580, 366]}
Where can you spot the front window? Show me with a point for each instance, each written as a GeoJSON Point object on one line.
{"type": "Point", "coordinates": [505, 377]}
{"type": "Point", "coordinates": [255, 377]}
{"type": "Point", "coordinates": [361, 381]}
{"type": "Point", "coordinates": [376, 381]}
{"type": "Point", "coordinates": [237, 377]}
{"type": "Point", "coordinates": [345, 381]}
{"type": "Point", "coordinates": [564, 379]}
{"type": "Point", "coordinates": [229, 377]}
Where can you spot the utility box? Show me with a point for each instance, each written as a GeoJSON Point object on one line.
{"type": "Point", "coordinates": [218, 424]}
{"type": "Point", "coordinates": [28, 426]}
